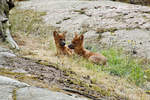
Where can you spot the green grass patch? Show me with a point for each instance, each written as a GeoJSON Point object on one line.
{"type": "Point", "coordinates": [124, 65]}
{"type": "Point", "coordinates": [135, 70]}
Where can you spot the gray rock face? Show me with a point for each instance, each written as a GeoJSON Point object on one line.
{"type": "Point", "coordinates": [10, 89]}
{"type": "Point", "coordinates": [6, 92]}
{"type": "Point", "coordinates": [8, 86]}
{"type": "Point", "coordinates": [4, 50]}
{"type": "Point", "coordinates": [112, 20]}
{"type": "Point", "coordinates": [137, 39]}
{"type": "Point", "coordinates": [32, 93]}
{"type": "Point", "coordinates": [11, 82]}
{"type": "Point", "coordinates": [141, 2]}
{"type": "Point", "coordinates": [5, 53]}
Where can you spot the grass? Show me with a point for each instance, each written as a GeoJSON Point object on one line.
{"type": "Point", "coordinates": [124, 66]}
{"type": "Point", "coordinates": [135, 70]}
{"type": "Point", "coordinates": [36, 41]}
{"type": "Point", "coordinates": [28, 25]}
{"type": "Point", "coordinates": [119, 63]}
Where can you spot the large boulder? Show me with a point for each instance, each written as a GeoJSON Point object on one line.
{"type": "Point", "coordinates": [11, 89]}
{"type": "Point", "coordinates": [5, 6]}
{"type": "Point", "coordinates": [34, 93]}
{"type": "Point", "coordinates": [141, 2]}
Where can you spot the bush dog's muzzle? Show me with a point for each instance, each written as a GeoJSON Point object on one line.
{"type": "Point", "coordinates": [62, 43]}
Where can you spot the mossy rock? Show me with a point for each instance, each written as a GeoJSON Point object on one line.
{"type": "Point", "coordinates": [140, 2]}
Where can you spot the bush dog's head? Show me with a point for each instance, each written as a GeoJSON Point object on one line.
{"type": "Point", "coordinates": [77, 41]}
{"type": "Point", "coordinates": [59, 38]}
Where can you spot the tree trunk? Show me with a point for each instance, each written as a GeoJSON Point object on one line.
{"type": "Point", "coordinates": [5, 6]}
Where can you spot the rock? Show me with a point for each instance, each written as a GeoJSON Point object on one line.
{"type": "Point", "coordinates": [33, 93]}
{"type": "Point", "coordinates": [4, 50]}
{"type": "Point", "coordinates": [90, 34]}
{"type": "Point", "coordinates": [19, 71]}
{"type": "Point", "coordinates": [6, 92]}
{"type": "Point", "coordinates": [114, 24]}
{"type": "Point", "coordinates": [11, 89]}
{"type": "Point", "coordinates": [1, 66]}
{"type": "Point", "coordinates": [131, 40]}
{"type": "Point", "coordinates": [7, 54]}
{"type": "Point", "coordinates": [7, 87]}
{"type": "Point", "coordinates": [22, 91]}
{"type": "Point", "coordinates": [8, 81]}
{"type": "Point", "coordinates": [141, 2]}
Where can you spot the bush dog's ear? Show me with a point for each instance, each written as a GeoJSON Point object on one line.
{"type": "Point", "coordinates": [64, 33]}
{"type": "Point", "coordinates": [81, 37]}
{"type": "Point", "coordinates": [75, 34]}
{"type": "Point", "coordinates": [55, 33]}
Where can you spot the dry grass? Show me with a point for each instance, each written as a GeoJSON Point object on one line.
{"type": "Point", "coordinates": [37, 42]}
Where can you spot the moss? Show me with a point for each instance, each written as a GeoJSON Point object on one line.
{"type": "Point", "coordinates": [93, 81]}
{"type": "Point", "coordinates": [50, 64]}
{"type": "Point", "coordinates": [14, 96]}
{"type": "Point", "coordinates": [67, 18]}
{"type": "Point", "coordinates": [76, 80]}
{"type": "Point", "coordinates": [103, 92]}
{"type": "Point", "coordinates": [59, 22]}
{"type": "Point", "coordinates": [102, 30]}
{"type": "Point", "coordinates": [80, 11]}
{"type": "Point", "coordinates": [4, 71]}
{"type": "Point", "coordinates": [89, 87]}
{"type": "Point", "coordinates": [19, 76]}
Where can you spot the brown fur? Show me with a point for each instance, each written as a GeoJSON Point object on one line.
{"type": "Point", "coordinates": [77, 44]}
{"type": "Point", "coordinates": [61, 50]}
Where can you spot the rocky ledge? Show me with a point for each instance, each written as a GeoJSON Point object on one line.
{"type": "Point", "coordinates": [11, 89]}
{"type": "Point", "coordinates": [14, 90]}
{"type": "Point", "coordinates": [104, 22]}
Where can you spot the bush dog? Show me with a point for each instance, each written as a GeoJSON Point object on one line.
{"type": "Point", "coordinates": [61, 47]}
{"type": "Point", "coordinates": [77, 45]}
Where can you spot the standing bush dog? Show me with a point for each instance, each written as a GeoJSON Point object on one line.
{"type": "Point", "coordinates": [61, 47]}
{"type": "Point", "coordinates": [77, 45]}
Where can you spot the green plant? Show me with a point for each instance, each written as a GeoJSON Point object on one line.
{"type": "Point", "coordinates": [122, 65]}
